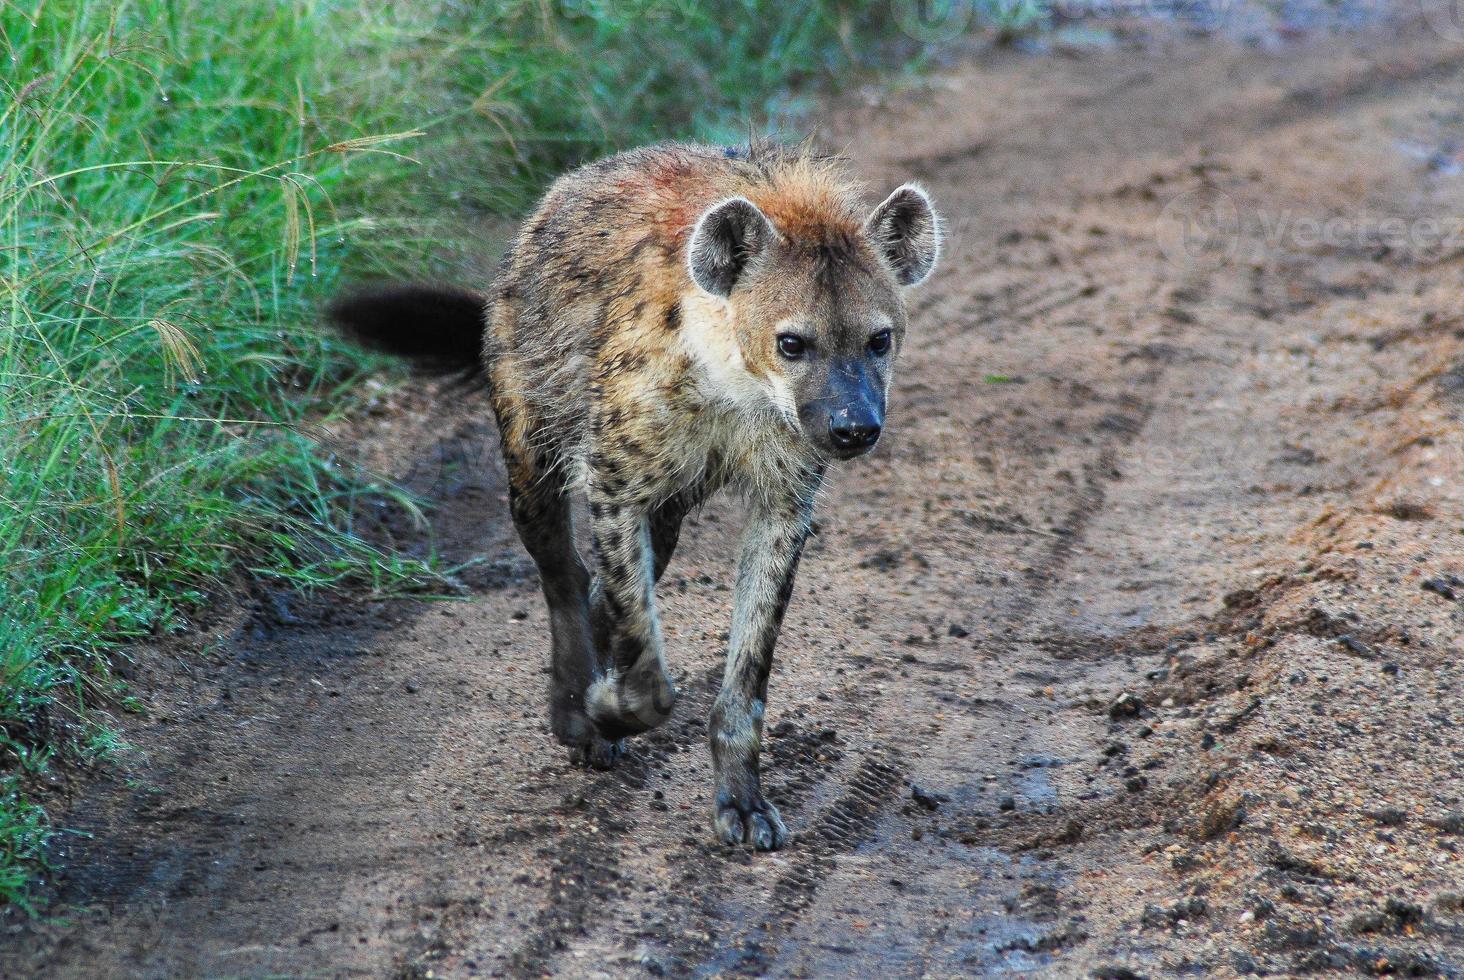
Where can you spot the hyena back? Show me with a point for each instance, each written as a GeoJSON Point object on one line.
{"type": "Point", "coordinates": [669, 322]}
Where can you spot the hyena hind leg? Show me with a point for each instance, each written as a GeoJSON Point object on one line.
{"type": "Point", "coordinates": [542, 515]}
{"type": "Point", "coordinates": [665, 524]}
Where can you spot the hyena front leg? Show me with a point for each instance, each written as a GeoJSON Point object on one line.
{"type": "Point", "coordinates": [771, 545]}
{"type": "Point", "coordinates": [634, 694]}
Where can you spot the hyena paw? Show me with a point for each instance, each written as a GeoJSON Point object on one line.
{"type": "Point", "coordinates": [622, 707]}
{"type": "Point", "coordinates": [596, 753]}
{"type": "Point", "coordinates": [752, 823]}
{"type": "Point", "coordinates": [587, 746]}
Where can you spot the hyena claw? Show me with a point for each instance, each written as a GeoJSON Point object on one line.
{"type": "Point", "coordinates": [597, 753]}
{"type": "Point", "coordinates": [588, 746]}
{"type": "Point", "coordinates": [754, 824]}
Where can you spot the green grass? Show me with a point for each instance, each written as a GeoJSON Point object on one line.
{"type": "Point", "coordinates": [166, 176]}
{"type": "Point", "coordinates": [181, 183]}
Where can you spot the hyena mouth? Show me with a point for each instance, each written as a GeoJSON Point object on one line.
{"type": "Point", "coordinates": [845, 453]}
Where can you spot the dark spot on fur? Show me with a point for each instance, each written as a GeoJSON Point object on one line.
{"type": "Point", "coordinates": [628, 649]}
{"type": "Point", "coordinates": [641, 244]}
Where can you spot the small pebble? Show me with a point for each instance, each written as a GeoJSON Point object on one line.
{"type": "Point", "coordinates": [1126, 705]}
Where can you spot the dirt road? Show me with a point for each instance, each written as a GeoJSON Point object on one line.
{"type": "Point", "coordinates": [1133, 652]}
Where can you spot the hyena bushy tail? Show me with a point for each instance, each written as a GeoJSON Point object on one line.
{"type": "Point", "coordinates": [438, 328]}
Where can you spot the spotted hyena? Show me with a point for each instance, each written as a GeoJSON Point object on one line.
{"type": "Point", "coordinates": [671, 321]}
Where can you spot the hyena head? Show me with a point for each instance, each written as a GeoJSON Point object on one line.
{"type": "Point", "coordinates": [816, 301]}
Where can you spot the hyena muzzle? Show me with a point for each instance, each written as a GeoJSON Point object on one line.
{"type": "Point", "coordinates": [671, 321]}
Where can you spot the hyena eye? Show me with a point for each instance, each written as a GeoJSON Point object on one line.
{"type": "Point", "coordinates": [792, 346]}
{"type": "Point", "coordinates": [879, 344]}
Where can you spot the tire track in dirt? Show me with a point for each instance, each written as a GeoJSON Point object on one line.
{"type": "Point", "coordinates": [584, 864]}
{"type": "Point", "coordinates": [851, 820]}
{"type": "Point", "coordinates": [843, 826]}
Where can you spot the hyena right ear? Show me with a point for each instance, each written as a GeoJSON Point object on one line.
{"type": "Point", "coordinates": [728, 237]}
{"type": "Point", "coordinates": [906, 230]}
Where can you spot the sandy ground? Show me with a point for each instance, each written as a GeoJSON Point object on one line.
{"type": "Point", "coordinates": [1133, 651]}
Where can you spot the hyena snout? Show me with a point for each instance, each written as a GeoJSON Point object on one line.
{"type": "Point", "coordinates": [849, 417]}
{"type": "Point", "coordinates": [855, 429]}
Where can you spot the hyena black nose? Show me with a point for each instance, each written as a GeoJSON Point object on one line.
{"type": "Point", "coordinates": [852, 433]}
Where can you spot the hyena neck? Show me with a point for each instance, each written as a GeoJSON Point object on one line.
{"type": "Point", "coordinates": [746, 425]}
{"type": "Point", "coordinates": [720, 372]}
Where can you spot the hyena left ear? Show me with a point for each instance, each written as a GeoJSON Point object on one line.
{"type": "Point", "coordinates": [727, 238]}
{"type": "Point", "coordinates": [906, 230]}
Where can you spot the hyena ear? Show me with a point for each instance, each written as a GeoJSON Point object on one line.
{"type": "Point", "coordinates": [728, 237]}
{"type": "Point", "coordinates": [906, 230]}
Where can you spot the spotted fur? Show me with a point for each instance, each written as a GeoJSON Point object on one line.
{"type": "Point", "coordinates": [636, 351]}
